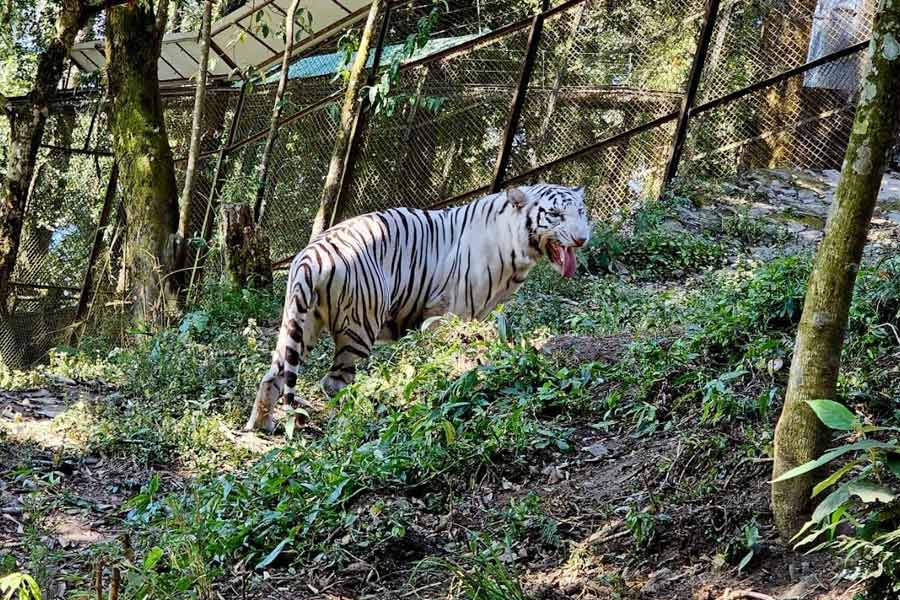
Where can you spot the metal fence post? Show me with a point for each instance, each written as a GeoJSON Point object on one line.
{"type": "Point", "coordinates": [87, 283]}
{"type": "Point", "coordinates": [515, 111]}
{"type": "Point", "coordinates": [690, 94]}
{"type": "Point", "coordinates": [358, 126]}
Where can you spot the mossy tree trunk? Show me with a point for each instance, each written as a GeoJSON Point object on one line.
{"type": "Point", "coordinates": [141, 146]}
{"type": "Point", "coordinates": [27, 131]}
{"type": "Point", "coordinates": [328, 209]}
{"type": "Point", "coordinates": [799, 436]}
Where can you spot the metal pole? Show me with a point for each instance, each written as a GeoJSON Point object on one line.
{"type": "Point", "coordinates": [687, 104]}
{"type": "Point", "coordinates": [358, 126]}
{"type": "Point", "coordinates": [515, 111]}
{"type": "Point", "coordinates": [84, 296]}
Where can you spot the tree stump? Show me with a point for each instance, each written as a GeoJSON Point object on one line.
{"type": "Point", "coordinates": [247, 262]}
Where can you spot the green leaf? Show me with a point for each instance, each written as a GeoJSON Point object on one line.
{"type": "Point", "coordinates": [153, 557]}
{"type": "Point", "coordinates": [336, 492]}
{"type": "Point", "coordinates": [744, 561]}
{"type": "Point", "coordinates": [830, 456]}
{"type": "Point", "coordinates": [273, 554]}
{"type": "Point", "coordinates": [869, 491]}
{"type": "Point", "coordinates": [449, 431]}
{"type": "Point", "coordinates": [831, 503]}
{"type": "Point", "coordinates": [833, 414]}
{"type": "Point", "coordinates": [809, 538]}
{"type": "Point", "coordinates": [893, 463]}
{"type": "Point", "coordinates": [833, 478]}
{"type": "Point", "coordinates": [33, 587]}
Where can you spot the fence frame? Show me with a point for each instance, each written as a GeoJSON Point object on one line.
{"type": "Point", "coordinates": [500, 178]}
{"type": "Point", "coordinates": [687, 104]}
{"type": "Point", "coordinates": [518, 100]}
{"type": "Point", "coordinates": [84, 296]}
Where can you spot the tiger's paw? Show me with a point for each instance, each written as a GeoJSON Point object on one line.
{"type": "Point", "coordinates": [260, 420]}
{"type": "Point", "coordinates": [331, 385]}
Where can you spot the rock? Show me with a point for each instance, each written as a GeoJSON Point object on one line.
{"type": "Point", "coordinates": [801, 589]}
{"type": "Point", "coordinates": [811, 235]}
{"type": "Point", "coordinates": [657, 582]}
{"type": "Point", "coordinates": [673, 226]}
{"type": "Point", "coordinates": [892, 216]}
{"type": "Point", "coordinates": [598, 450]}
{"type": "Point", "coordinates": [808, 197]}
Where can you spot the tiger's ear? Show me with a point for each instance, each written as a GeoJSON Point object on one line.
{"type": "Point", "coordinates": [516, 197]}
{"type": "Point", "coordinates": [579, 189]}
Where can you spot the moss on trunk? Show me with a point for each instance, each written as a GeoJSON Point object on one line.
{"type": "Point", "coordinates": [146, 167]}
{"type": "Point", "coordinates": [799, 436]}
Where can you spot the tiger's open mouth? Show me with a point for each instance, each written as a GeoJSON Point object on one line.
{"type": "Point", "coordinates": [562, 257]}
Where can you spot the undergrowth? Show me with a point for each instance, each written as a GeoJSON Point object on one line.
{"type": "Point", "coordinates": [433, 412]}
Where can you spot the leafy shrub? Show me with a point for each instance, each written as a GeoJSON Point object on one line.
{"type": "Point", "coordinates": [662, 254]}
{"type": "Point", "coordinates": [749, 230]}
{"type": "Point", "coordinates": [525, 518]}
{"type": "Point", "coordinates": [406, 421]}
{"type": "Point", "coordinates": [483, 577]}
{"type": "Point", "coordinates": [642, 523]}
{"type": "Point", "coordinates": [651, 251]}
{"type": "Point", "coordinates": [860, 498]}
{"type": "Point", "coordinates": [20, 585]}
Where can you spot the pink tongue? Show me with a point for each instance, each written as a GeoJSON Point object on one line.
{"type": "Point", "coordinates": [569, 262]}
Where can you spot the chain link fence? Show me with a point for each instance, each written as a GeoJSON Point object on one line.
{"type": "Point", "coordinates": [600, 107]}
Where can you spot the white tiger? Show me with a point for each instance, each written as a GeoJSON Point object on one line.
{"type": "Point", "coordinates": [373, 277]}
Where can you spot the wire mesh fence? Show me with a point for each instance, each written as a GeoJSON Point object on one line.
{"type": "Point", "coordinates": [599, 108]}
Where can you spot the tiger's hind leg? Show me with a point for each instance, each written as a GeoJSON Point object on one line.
{"type": "Point", "coordinates": [299, 332]}
{"type": "Point", "coordinates": [351, 345]}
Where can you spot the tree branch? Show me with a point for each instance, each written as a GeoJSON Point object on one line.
{"type": "Point", "coordinates": [94, 8]}
{"type": "Point", "coordinates": [162, 16]}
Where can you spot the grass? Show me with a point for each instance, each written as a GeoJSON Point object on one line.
{"type": "Point", "coordinates": [435, 413]}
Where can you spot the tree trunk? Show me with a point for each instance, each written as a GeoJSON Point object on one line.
{"type": "Point", "coordinates": [329, 211]}
{"type": "Point", "coordinates": [141, 147]}
{"type": "Point", "coordinates": [177, 20]}
{"type": "Point", "coordinates": [799, 436]}
{"type": "Point", "coordinates": [184, 218]}
{"type": "Point", "coordinates": [260, 206]}
{"type": "Point", "coordinates": [26, 133]}
{"type": "Point", "coordinates": [247, 262]}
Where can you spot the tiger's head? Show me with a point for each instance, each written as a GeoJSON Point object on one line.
{"type": "Point", "coordinates": [557, 222]}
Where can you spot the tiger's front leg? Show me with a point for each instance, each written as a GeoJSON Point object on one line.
{"type": "Point", "coordinates": [351, 345]}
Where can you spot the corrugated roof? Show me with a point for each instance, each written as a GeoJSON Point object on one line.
{"type": "Point", "coordinates": [328, 64]}
{"type": "Point", "coordinates": [236, 39]}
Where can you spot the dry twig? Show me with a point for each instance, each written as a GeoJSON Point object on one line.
{"type": "Point", "coordinates": [739, 594]}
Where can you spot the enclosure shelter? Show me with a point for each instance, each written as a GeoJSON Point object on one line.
{"type": "Point", "coordinates": [615, 96]}
{"type": "Point", "coordinates": [238, 39]}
